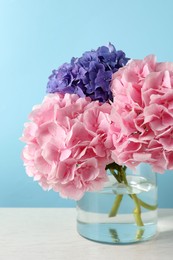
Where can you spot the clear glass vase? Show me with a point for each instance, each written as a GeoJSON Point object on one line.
{"type": "Point", "coordinates": [122, 212]}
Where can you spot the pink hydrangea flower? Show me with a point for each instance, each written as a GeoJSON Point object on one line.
{"type": "Point", "coordinates": [68, 144]}
{"type": "Point", "coordinates": [142, 114]}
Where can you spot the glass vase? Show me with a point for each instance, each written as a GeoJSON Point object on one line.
{"type": "Point", "coordinates": [122, 212]}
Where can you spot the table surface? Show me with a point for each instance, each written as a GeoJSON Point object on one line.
{"type": "Point", "coordinates": [50, 234]}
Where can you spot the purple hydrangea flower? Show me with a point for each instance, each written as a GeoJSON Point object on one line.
{"type": "Point", "coordinates": [89, 75]}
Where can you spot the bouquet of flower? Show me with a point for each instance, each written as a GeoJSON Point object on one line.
{"type": "Point", "coordinates": [102, 111]}
{"type": "Point", "coordinates": [68, 136]}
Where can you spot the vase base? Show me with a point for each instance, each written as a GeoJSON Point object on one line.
{"type": "Point", "coordinates": [116, 233]}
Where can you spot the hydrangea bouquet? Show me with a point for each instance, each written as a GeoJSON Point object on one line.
{"type": "Point", "coordinates": [68, 137]}
{"type": "Point", "coordinates": [102, 112]}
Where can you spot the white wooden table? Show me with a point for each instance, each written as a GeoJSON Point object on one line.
{"type": "Point", "coordinates": [50, 234]}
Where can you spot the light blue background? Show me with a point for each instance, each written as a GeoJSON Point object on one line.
{"type": "Point", "coordinates": [37, 36]}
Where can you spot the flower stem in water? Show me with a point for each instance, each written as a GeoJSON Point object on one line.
{"type": "Point", "coordinates": [116, 205]}
{"type": "Point", "coordinates": [119, 173]}
{"type": "Point", "coordinates": [137, 211]}
{"type": "Point", "coordinates": [146, 205]}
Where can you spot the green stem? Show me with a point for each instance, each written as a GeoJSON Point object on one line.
{"type": "Point", "coordinates": [137, 211]}
{"type": "Point", "coordinates": [146, 205]}
{"type": "Point", "coordinates": [139, 233]}
{"type": "Point", "coordinates": [116, 205]}
{"type": "Point", "coordinates": [119, 172]}
{"type": "Point", "coordinates": [124, 177]}
{"type": "Point", "coordinates": [114, 235]}
{"type": "Point", "coordinates": [115, 175]}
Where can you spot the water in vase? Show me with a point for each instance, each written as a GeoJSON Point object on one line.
{"type": "Point", "coordinates": [94, 222]}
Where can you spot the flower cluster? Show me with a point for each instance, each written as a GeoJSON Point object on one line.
{"type": "Point", "coordinates": [142, 113]}
{"type": "Point", "coordinates": [68, 146]}
{"type": "Point", "coordinates": [89, 75]}
{"type": "Point", "coordinates": [99, 112]}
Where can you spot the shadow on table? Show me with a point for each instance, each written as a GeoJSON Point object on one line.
{"type": "Point", "coordinates": [165, 226]}
{"type": "Point", "coordinates": [165, 236]}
